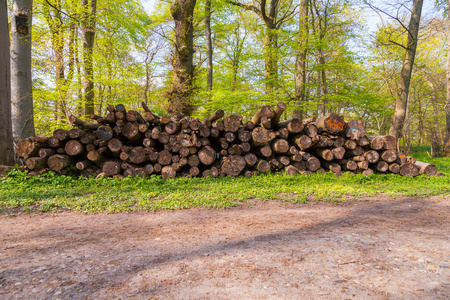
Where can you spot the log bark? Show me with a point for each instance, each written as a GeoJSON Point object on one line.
{"type": "Point", "coordinates": [425, 168]}
{"type": "Point", "coordinates": [58, 162]}
{"type": "Point", "coordinates": [36, 163]}
{"type": "Point", "coordinates": [74, 148]}
{"type": "Point", "coordinates": [233, 165]}
{"type": "Point", "coordinates": [111, 168]}
{"type": "Point", "coordinates": [332, 123]}
{"type": "Point", "coordinates": [207, 155]}
{"type": "Point", "coordinates": [408, 169]}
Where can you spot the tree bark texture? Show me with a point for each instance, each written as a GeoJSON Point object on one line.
{"type": "Point", "coordinates": [398, 119]}
{"type": "Point", "coordinates": [6, 136]}
{"type": "Point", "coordinates": [89, 8]}
{"type": "Point", "coordinates": [180, 93]}
{"type": "Point", "coordinates": [300, 62]}
{"type": "Point", "coordinates": [209, 49]}
{"type": "Point", "coordinates": [21, 88]}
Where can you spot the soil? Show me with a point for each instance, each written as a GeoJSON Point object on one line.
{"type": "Point", "coordinates": [360, 249]}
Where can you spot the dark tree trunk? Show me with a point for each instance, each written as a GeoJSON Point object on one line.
{"type": "Point", "coordinates": [180, 93]}
{"type": "Point", "coordinates": [398, 119]}
{"type": "Point", "coordinates": [6, 137]}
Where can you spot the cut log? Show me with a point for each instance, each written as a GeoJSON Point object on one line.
{"type": "Point", "coordinates": [367, 172]}
{"type": "Point", "coordinates": [105, 132]}
{"type": "Point", "coordinates": [372, 156]}
{"type": "Point", "coordinates": [74, 121]}
{"type": "Point", "coordinates": [332, 123]}
{"type": "Point", "coordinates": [311, 130]}
{"type": "Point", "coordinates": [250, 159]}
{"type": "Point", "coordinates": [265, 151]}
{"type": "Point", "coordinates": [350, 165]}
{"type": "Point", "coordinates": [284, 160]}
{"type": "Point", "coordinates": [394, 168]}
{"type": "Point", "coordinates": [401, 158]}
{"type": "Point", "coordinates": [408, 169]}
{"type": "Point", "coordinates": [332, 166]}
{"type": "Point", "coordinates": [376, 143]}
{"type": "Point", "coordinates": [338, 152]}
{"type": "Point", "coordinates": [164, 158]}
{"type": "Point", "coordinates": [262, 136]}
{"type": "Point", "coordinates": [58, 162]}
{"type": "Point", "coordinates": [265, 111]}
{"type": "Point", "coordinates": [280, 146]}
{"type": "Point", "coordinates": [207, 155]}
{"type": "Point", "coordinates": [137, 155]}
{"type": "Point", "coordinates": [350, 144]}
{"type": "Point", "coordinates": [325, 154]}
{"type": "Point", "coordinates": [111, 168]}
{"type": "Point", "coordinates": [302, 141]}
{"type": "Point", "coordinates": [263, 166]}
{"type": "Point", "coordinates": [95, 157]}
{"type": "Point", "coordinates": [245, 136]}
{"type": "Point", "coordinates": [29, 147]}
{"type": "Point", "coordinates": [425, 168]}
{"type": "Point", "coordinates": [46, 152]}
{"type": "Point", "coordinates": [339, 141]}
{"type": "Point", "coordinates": [81, 165]}
{"type": "Point", "coordinates": [355, 130]}
{"type": "Point", "coordinates": [232, 123]}
{"type": "Point", "coordinates": [74, 148]}
{"type": "Point", "coordinates": [389, 142]}
{"type": "Point", "coordinates": [76, 133]}
{"type": "Point", "coordinates": [389, 156]}
{"type": "Point", "coordinates": [36, 163]}
{"type": "Point", "coordinates": [313, 163]}
{"type": "Point", "coordinates": [279, 109]}
{"type": "Point", "coordinates": [291, 170]}
{"type": "Point", "coordinates": [131, 131]}
{"type": "Point", "coordinates": [294, 125]}
{"type": "Point", "coordinates": [115, 145]}
{"type": "Point", "coordinates": [382, 166]}
{"type": "Point", "coordinates": [233, 165]}
{"type": "Point", "coordinates": [193, 160]}
{"type": "Point", "coordinates": [214, 117]}
{"type": "Point", "coordinates": [363, 141]}
{"type": "Point", "coordinates": [363, 165]}
{"type": "Point", "coordinates": [194, 171]}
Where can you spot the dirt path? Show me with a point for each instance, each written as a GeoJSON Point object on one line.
{"type": "Point", "coordinates": [386, 249]}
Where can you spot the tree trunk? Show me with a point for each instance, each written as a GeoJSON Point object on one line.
{"type": "Point", "coordinates": [447, 104]}
{"type": "Point", "coordinates": [6, 136]}
{"type": "Point", "coordinates": [271, 59]}
{"type": "Point", "coordinates": [21, 88]}
{"type": "Point", "coordinates": [405, 75]}
{"type": "Point", "coordinates": [88, 29]}
{"type": "Point", "coordinates": [179, 95]}
{"type": "Point", "coordinates": [209, 49]}
{"type": "Point", "coordinates": [300, 63]}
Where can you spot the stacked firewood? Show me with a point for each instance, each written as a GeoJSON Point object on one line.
{"type": "Point", "coordinates": [128, 143]}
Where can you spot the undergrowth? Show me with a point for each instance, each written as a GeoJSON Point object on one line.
{"type": "Point", "coordinates": [49, 192]}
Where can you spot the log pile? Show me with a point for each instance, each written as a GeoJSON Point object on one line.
{"type": "Point", "coordinates": [128, 143]}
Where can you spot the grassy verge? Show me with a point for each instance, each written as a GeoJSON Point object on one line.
{"type": "Point", "coordinates": [50, 192]}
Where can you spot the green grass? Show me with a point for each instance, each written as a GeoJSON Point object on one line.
{"type": "Point", "coordinates": [50, 192]}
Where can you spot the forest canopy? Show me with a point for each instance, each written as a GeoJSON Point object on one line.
{"type": "Point", "coordinates": [197, 56]}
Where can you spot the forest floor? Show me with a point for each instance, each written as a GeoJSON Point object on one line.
{"type": "Point", "coordinates": [376, 248]}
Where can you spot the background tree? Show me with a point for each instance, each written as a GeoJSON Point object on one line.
{"type": "Point", "coordinates": [6, 136]}
{"type": "Point", "coordinates": [21, 86]}
{"type": "Point", "coordinates": [180, 93]}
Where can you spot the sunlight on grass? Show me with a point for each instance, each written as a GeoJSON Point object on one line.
{"type": "Point", "coordinates": [49, 192]}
